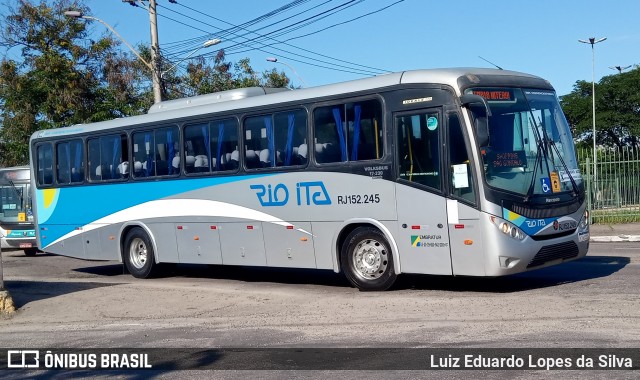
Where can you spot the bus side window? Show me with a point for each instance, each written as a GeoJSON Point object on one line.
{"type": "Point", "coordinates": [330, 144]}
{"type": "Point", "coordinates": [259, 142]}
{"type": "Point", "coordinates": [348, 132]}
{"type": "Point", "coordinates": [196, 140]}
{"type": "Point", "coordinates": [108, 158]}
{"type": "Point", "coordinates": [45, 164]}
{"type": "Point", "coordinates": [69, 159]}
{"type": "Point", "coordinates": [290, 129]}
{"type": "Point", "coordinates": [223, 142]}
{"type": "Point", "coordinates": [93, 149]}
{"type": "Point", "coordinates": [63, 156]}
{"type": "Point", "coordinates": [144, 152]}
{"type": "Point", "coordinates": [419, 148]}
{"type": "Point", "coordinates": [462, 184]}
{"type": "Point", "coordinates": [211, 147]}
{"type": "Point", "coordinates": [77, 160]}
{"type": "Point", "coordinates": [364, 133]}
{"type": "Point", "coordinates": [167, 144]}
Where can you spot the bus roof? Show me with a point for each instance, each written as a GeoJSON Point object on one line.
{"type": "Point", "coordinates": [258, 96]}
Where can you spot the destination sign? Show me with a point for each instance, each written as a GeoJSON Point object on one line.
{"type": "Point", "coordinates": [495, 95]}
{"type": "Point", "coordinates": [506, 160]}
{"type": "Point", "coordinates": [13, 175]}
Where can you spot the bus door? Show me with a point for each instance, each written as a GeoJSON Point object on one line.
{"type": "Point", "coordinates": [423, 238]}
{"type": "Point", "coordinates": [465, 233]}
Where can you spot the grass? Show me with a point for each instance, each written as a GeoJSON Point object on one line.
{"type": "Point", "coordinates": [615, 216]}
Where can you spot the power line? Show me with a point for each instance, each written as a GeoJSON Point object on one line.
{"type": "Point", "coordinates": [292, 25]}
{"type": "Point", "coordinates": [347, 69]}
{"type": "Point", "coordinates": [316, 17]}
{"type": "Point", "coordinates": [346, 22]}
{"type": "Point", "coordinates": [230, 51]}
{"type": "Point", "coordinates": [242, 26]}
{"type": "Point", "coordinates": [223, 33]}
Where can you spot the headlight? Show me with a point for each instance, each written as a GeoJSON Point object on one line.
{"type": "Point", "coordinates": [508, 228]}
{"type": "Point", "coordinates": [584, 222]}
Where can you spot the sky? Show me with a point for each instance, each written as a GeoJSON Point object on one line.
{"type": "Point", "coordinates": [539, 37]}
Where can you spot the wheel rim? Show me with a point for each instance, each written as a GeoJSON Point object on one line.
{"type": "Point", "coordinates": [138, 253]}
{"type": "Point", "coordinates": [370, 259]}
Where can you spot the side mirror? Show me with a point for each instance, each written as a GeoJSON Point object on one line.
{"type": "Point", "coordinates": [467, 99]}
{"type": "Point", "coordinates": [482, 130]}
{"type": "Point", "coordinates": [481, 116]}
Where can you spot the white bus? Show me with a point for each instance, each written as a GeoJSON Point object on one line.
{"type": "Point", "coordinates": [447, 171]}
{"type": "Point", "coordinates": [16, 216]}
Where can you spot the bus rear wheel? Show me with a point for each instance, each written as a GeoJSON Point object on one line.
{"type": "Point", "coordinates": [30, 252]}
{"type": "Point", "coordinates": [367, 260]}
{"type": "Point", "coordinates": [138, 254]}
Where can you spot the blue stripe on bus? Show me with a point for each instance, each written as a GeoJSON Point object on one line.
{"type": "Point", "coordinates": [80, 205]}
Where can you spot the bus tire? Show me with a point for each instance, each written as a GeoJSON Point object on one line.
{"type": "Point", "coordinates": [30, 252]}
{"type": "Point", "coordinates": [367, 260]}
{"type": "Point", "coordinates": [138, 254]}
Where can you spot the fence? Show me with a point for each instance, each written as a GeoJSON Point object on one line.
{"type": "Point", "coordinates": [614, 197]}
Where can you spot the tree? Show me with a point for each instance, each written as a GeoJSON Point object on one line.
{"type": "Point", "coordinates": [65, 77]}
{"type": "Point", "coordinates": [617, 110]}
{"type": "Point", "coordinates": [128, 89]}
{"type": "Point", "coordinates": [57, 82]}
{"type": "Point", "coordinates": [202, 78]}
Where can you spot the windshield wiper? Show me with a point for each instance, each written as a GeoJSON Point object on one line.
{"type": "Point", "coordinates": [550, 142]}
{"type": "Point", "coordinates": [566, 168]}
{"type": "Point", "coordinates": [18, 192]}
{"type": "Point", "coordinates": [546, 147]}
{"type": "Point", "coordinates": [540, 152]}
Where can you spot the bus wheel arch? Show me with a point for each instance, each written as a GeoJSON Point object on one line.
{"type": "Point", "coordinates": [138, 250]}
{"type": "Point", "coordinates": [368, 255]}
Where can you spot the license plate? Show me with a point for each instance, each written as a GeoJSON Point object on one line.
{"type": "Point", "coordinates": [26, 245]}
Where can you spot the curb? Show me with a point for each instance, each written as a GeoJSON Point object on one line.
{"type": "Point", "coordinates": [615, 238]}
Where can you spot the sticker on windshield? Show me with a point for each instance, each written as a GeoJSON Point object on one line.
{"type": "Point", "coordinates": [546, 184]}
{"type": "Point", "coordinates": [573, 173]}
{"type": "Point", "coordinates": [539, 92]}
{"type": "Point", "coordinates": [555, 182]}
{"type": "Point", "coordinates": [432, 123]}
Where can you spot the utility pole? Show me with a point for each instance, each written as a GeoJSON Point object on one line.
{"type": "Point", "coordinates": [155, 53]}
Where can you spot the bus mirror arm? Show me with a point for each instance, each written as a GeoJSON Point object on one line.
{"type": "Point", "coordinates": [481, 121]}
{"type": "Point", "coordinates": [468, 99]}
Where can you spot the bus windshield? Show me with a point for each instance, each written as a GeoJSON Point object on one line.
{"type": "Point", "coordinates": [14, 202]}
{"type": "Point", "coordinates": [530, 149]}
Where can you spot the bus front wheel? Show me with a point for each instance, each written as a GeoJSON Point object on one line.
{"type": "Point", "coordinates": [367, 260]}
{"type": "Point", "coordinates": [138, 254]}
{"type": "Point", "coordinates": [30, 252]}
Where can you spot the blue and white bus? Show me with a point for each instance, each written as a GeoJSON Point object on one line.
{"type": "Point", "coordinates": [16, 217]}
{"type": "Point", "coordinates": [446, 171]}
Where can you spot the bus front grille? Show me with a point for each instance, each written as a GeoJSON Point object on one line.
{"type": "Point", "coordinates": [543, 212]}
{"type": "Point", "coordinates": [566, 250]}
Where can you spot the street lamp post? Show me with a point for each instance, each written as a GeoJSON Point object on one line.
{"type": "Point", "coordinates": [275, 60]}
{"type": "Point", "coordinates": [592, 41]}
{"type": "Point", "coordinates": [206, 44]}
{"type": "Point", "coordinates": [619, 68]}
{"type": "Point", "coordinates": [154, 69]}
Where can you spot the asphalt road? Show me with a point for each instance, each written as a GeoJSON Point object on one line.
{"type": "Point", "coordinates": [63, 302]}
